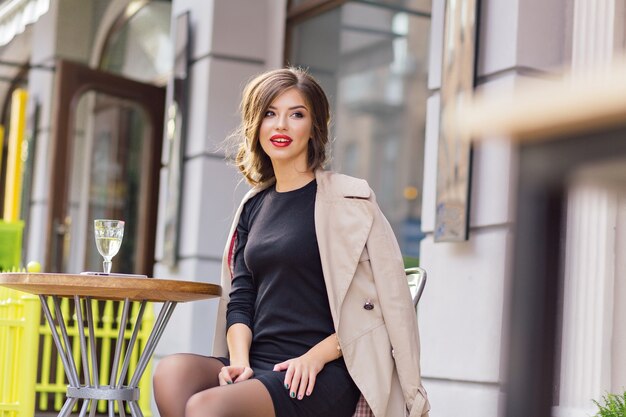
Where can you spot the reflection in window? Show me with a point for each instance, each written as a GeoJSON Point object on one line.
{"type": "Point", "coordinates": [416, 5]}
{"type": "Point", "coordinates": [115, 186]}
{"type": "Point", "coordinates": [141, 48]}
{"type": "Point", "coordinates": [372, 61]}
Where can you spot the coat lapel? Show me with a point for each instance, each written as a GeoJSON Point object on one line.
{"type": "Point", "coordinates": [343, 219]}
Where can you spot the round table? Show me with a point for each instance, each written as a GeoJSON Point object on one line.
{"type": "Point", "coordinates": [83, 288]}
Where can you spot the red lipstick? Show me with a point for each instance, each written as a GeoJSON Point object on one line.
{"type": "Point", "coordinates": [281, 141]}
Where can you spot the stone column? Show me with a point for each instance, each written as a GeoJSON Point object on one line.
{"type": "Point", "coordinates": [593, 35]}
{"type": "Point", "coordinates": [588, 298]}
{"type": "Point", "coordinates": [590, 243]}
{"type": "Point", "coordinates": [53, 37]}
{"type": "Point", "coordinates": [231, 42]}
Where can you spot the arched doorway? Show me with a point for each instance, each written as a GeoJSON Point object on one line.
{"type": "Point", "coordinates": [108, 143]}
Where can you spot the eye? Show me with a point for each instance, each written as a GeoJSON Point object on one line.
{"type": "Point", "coordinates": [298, 115]}
{"type": "Point", "coordinates": [269, 113]}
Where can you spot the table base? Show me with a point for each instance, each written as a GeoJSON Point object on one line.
{"type": "Point", "coordinates": [105, 392]}
{"type": "Point", "coordinates": [89, 390]}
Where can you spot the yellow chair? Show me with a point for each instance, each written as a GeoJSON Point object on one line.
{"type": "Point", "coordinates": [26, 346]}
{"type": "Point", "coordinates": [19, 325]}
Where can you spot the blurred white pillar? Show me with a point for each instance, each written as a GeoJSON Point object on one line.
{"type": "Point", "coordinates": [618, 360]}
{"type": "Point", "coordinates": [588, 299]}
{"type": "Point", "coordinates": [594, 32]}
{"type": "Point", "coordinates": [590, 243]}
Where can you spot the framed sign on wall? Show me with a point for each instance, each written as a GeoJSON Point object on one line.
{"type": "Point", "coordinates": [175, 133]}
{"type": "Point", "coordinates": [454, 158]}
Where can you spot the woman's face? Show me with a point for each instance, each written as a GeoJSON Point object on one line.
{"type": "Point", "coordinates": [286, 130]}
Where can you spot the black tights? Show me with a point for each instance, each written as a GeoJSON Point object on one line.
{"type": "Point", "coordinates": [186, 385]}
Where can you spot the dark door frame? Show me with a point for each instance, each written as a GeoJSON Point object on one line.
{"type": "Point", "coordinates": [72, 81]}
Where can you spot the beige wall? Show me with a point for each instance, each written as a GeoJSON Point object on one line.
{"type": "Point", "coordinates": [65, 31]}
{"type": "Point", "coordinates": [465, 304]}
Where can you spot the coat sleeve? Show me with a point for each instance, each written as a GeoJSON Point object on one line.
{"type": "Point", "coordinates": [397, 309]}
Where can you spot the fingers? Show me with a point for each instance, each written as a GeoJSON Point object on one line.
{"type": "Point", "coordinates": [231, 374]}
{"type": "Point", "coordinates": [304, 383]}
{"type": "Point", "coordinates": [281, 366]}
{"type": "Point", "coordinates": [299, 379]}
{"type": "Point", "coordinates": [288, 374]}
{"type": "Point", "coordinates": [295, 381]}
{"type": "Point", "coordinates": [224, 376]}
{"type": "Point", "coordinates": [300, 376]}
{"type": "Point", "coordinates": [246, 374]}
{"type": "Point", "coordinates": [311, 384]}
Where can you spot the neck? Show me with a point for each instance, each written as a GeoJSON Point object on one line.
{"type": "Point", "coordinates": [292, 179]}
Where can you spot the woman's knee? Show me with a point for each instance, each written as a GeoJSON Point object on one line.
{"type": "Point", "coordinates": [204, 404]}
{"type": "Point", "coordinates": [170, 370]}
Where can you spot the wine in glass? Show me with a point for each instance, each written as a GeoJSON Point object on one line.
{"type": "Point", "coordinates": [109, 234]}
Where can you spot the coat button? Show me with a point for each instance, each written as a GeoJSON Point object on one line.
{"type": "Point", "coordinates": [368, 305]}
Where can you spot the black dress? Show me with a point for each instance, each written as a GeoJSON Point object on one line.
{"type": "Point", "coordinates": [278, 291]}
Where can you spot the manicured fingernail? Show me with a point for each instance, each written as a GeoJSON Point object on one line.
{"type": "Point", "coordinates": [293, 394]}
{"type": "Point", "coordinates": [286, 386]}
{"type": "Point", "coordinates": [229, 382]}
{"type": "Point", "coordinates": [300, 396]}
{"type": "Point", "coordinates": [308, 394]}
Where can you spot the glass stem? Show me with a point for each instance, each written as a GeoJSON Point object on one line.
{"type": "Point", "coordinates": [107, 266]}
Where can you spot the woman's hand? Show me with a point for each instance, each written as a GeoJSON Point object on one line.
{"type": "Point", "coordinates": [301, 373]}
{"type": "Point", "coordinates": [232, 374]}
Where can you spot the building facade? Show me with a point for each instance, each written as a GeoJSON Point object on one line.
{"type": "Point", "coordinates": [380, 63]}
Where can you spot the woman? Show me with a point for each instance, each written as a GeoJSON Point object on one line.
{"type": "Point", "coordinates": [315, 307]}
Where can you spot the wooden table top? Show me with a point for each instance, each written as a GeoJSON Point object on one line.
{"type": "Point", "coordinates": [110, 287]}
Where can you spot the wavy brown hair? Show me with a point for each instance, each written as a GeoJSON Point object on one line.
{"type": "Point", "coordinates": [258, 95]}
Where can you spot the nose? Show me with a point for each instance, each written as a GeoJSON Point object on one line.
{"type": "Point", "coordinates": [281, 123]}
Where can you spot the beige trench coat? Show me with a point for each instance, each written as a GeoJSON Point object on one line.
{"type": "Point", "coordinates": [362, 263]}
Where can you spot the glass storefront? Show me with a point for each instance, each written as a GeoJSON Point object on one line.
{"type": "Point", "coordinates": [372, 60]}
{"type": "Point", "coordinates": [115, 168]}
{"type": "Point", "coordinates": [113, 140]}
{"type": "Point", "coordinates": [141, 48]}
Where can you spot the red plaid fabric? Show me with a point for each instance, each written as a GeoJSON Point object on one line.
{"type": "Point", "coordinates": [362, 409]}
{"type": "Point", "coordinates": [231, 255]}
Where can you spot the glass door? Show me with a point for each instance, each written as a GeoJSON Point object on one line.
{"type": "Point", "coordinates": [106, 155]}
{"type": "Point", "coordinates": [107, 181]}
{"type": "Point", "coordinates": [372, 60]}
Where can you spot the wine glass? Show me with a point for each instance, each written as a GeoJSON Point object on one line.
{"type": "Point", "coordinates": [109, 234]}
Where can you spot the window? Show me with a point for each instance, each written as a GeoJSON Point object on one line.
{"type": "Point", "coordinates": [140, 47]}
{"type": "Point", "coordinates": [371, 57]}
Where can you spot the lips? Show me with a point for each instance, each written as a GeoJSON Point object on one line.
{"type": "Point", "coordinates": [281, 141]}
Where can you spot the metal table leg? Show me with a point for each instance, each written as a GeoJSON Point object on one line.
{"type": "Point", "coordinates": [153, 340]}
{"type": "Point", "coordinates": [90, 392]}
{"type": "Point", "coordinates": [64, 352]}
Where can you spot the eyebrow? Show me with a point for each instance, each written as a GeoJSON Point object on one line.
{"type": "Point", "coordinates": [291, 108]}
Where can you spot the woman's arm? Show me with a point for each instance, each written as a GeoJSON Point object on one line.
{"type": "Point", "coordinates": [240, 312]}
{"type": "Point", "coordinates": [239, 338]}
{"type": "Point", "coordinates": [302, 371]}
